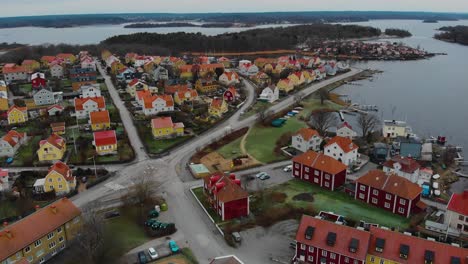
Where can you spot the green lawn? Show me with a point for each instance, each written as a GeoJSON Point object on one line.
{"type": "Point", "coordinates": [85, 154]}
{"type": "Point", "coordinates": [27, 153]}
{"type": "Point", "coordinates": [231, 150]}
{"type": "Point", "coordinates": [338, 202]}
{"type": "Point", "coordinates": [311, 104]}
{"type": "Point", "coordinates": [261, 140]}
{"type": "Point", "coordinates": [66, 83]}
{"type": "Point", "coordinates": [26, 88]}
{"type": "Point", "coordinates": [127, 231]}
{"type": "Point", "coordinates": [202, 198]}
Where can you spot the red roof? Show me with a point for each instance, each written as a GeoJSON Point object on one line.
{"type": "Point", "coordinates": [62, 169]}
{"type": "Point", "coordinates": [417, 248]}
{"type": "Point", "coordinates": [320, 162]}
{"type": "Point", "coordinates": [99, 117]}
{"type": "Point", "coordinates": [79, 102]}
{"type": "Point", "coordinates": [307, 133]}
{"type": "Point", "coordinates": [229, 190]}
{"type": "Point", "coordinates": [162, 122]}
{"type": "Point", "coordinates": [391, 183]}
{"type": "Point", "coordinates": [344, 235]}
{"type": "Point", "coordinates": [345, 144]}
{"type": "Point", "coordinates": [65, 55]}
{"type": "Point", "coordinates": [13, 68]}
{"type": "Point", "coordinates": [148, 101]}
{"type": "Point", "coordinates": [231, 75]}
{"type": "Point", "coordinates": [217, 103]}
{"type": "Point", "coordinates": [28, 62]}
{"type": "Point", "coordinates": [55, 140]}
{"type": "Point", "coordinates": [48, 58]}
{"type": "Point", "coordinates": [105, 138]}
{"type": "Point", "coordinates": [187, 94]}
{"type": "Point", "coordinates": [459, 203]}
{"type": "Point", "coordinates": [142, 94]}
{"type": "Point", "coordinates": [408, 165]}
{"type": "Point", "coordinates": [134, 82]}
{"type": "Point", "coordinates": [3, 172]}
{"type": "Point", "coordinates": [172, 89]}
{"type": "Point", "coordinates": [23, 233]}
{"type": "Point", "coordinates": [13, 137]}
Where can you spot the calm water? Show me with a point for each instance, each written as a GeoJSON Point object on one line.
{"type": "Point", "coordinates": [430, 94]}
{"type": "Point", "coordinates": [95, 34]}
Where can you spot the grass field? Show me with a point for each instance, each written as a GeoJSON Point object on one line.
{"type": "Point", "coordinates": [338, 202]}
{"type": "Point", "coordinates": [27, 153]}
{"type": "Point", "coordinates": [231, 150]}
{"type": "Point", "coordinates": [261, 140]}
{"type": "Point", "coordinates": [202, 198]}
{"type": "Point", "coordinates": [127, 231]}
{"type": "Point", "coordinates": [311, 104]}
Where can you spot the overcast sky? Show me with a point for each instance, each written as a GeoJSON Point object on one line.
{"type": "Point", "coordinates": [50, 7]}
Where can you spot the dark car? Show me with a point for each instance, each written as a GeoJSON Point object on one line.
{"type": "Point", "coordinates": [142, 258]}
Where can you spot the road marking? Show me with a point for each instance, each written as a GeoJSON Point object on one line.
{"type": "Point", "coordinates": [114, 186]}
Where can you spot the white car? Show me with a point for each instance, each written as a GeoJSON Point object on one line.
{"type": "Point", "coordinates": [153, 253]}
{"type": "Point", "coordinates": [287, 168]}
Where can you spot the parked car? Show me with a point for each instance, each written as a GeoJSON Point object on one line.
{"type": "Point", "coordinates": [111, 214]}
{"type": "Point", "coordinates": [265, 177]}
{"type": "Point", "coordinates": [287, 168]}
{"type": "Point", "coordinates": [153, 253]}
{"type": "Point", "coordinates": [261, 174]}
{"type": "Point", "coordinates": [173, 246]}
{"type": "Point", "coordinates": [236, 236]}
{"type": "Point", "coordinates": [142, 258]}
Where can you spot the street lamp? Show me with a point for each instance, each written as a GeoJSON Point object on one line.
{"type": "Point", "coordinates": [94, 162]}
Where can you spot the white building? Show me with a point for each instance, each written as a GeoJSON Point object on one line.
{"type": "Point", "coordinates": [404, 167]}
{"type": "Point", "coordinates": [160, 73]}
{"type": "Point", "coordinates": [13, 72]}
{"type": "Point", "coordinates": [269, 94]}
{"type": "Point", "coordinates": [306, 139]}
{"type": "Point", "coordinates": [342, 149]}
{"type": "Point", "coordinates": [92, 90]}
{"type": "Point", "coordinates": [394, 128]}
{"type": "Point", "coordinates": [4, 182]}
{"type": "Point", "coordinates": [56, 70]}
{"type": "Point", "coordinates": [88, 63]}
{"type": "Point", "coordinates": [84, 106]}
{"type": "Point", "coordinates": [155, 104]}
{"type": "Point", "coordinates": [457, 212]}
{"type": "Point", "coordinates": [229, 78]}
{"type": "Point", "coordinates": [346, 130]}
{"type": "Point", "coordinates": [10, 143]}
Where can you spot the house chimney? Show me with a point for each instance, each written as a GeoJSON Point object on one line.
{"type": "Point", "coordinates": [54, 209]}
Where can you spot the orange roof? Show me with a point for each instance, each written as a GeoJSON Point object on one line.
{"type": "Point", "coordinates": [391, 183]}
{"type": "Point", "coordinates": [13, 137]}
{"type": "Point", "coordinates": [320, 162]}
{"type": "Point", "coordinates": [307, 133]}
{"type": "Point", "coordinates": [443, 253]}
{"type": "Point", "coordinates": [48, 58]}
{"type": "Point", "coordinates": [231, 75]}
{"type": "Point", "coordinates": [28, 62]}
{"type": "Point", "coordinates": [148, 101]}
{"type": "Point", "coordinates": [21, 234]}
{"type": "Point", "coordinates": [13, 68]}
{"type": "Point", "coordinates": [14, 107]}
{"type": "Point", "coordinates": [58, 126]}
{"type": "Point", "coordinates": [62, 169]}
{"type": "Point", "coordinates": [55, 140]}
{"type": "Point", "coordinates": [162, 122]}
{"type": "Point", "coordinates": [142, 94]}
{"type": "Point", "coordinates": [79, 102]}
{"type": "Point", "coordinates": [346, 144]}
{"type": "Point", "coordinates": [408, 165]}
{"type": "Point", "coordinates": [459, 203]}
{"type": "Point", "coordinates": [65, 55]}
{"type": "Point", "coordinates": [217, 103]}
{"type": "Point", "coordinates": [172, 89]}
{"type": "Point", "coordinates": [344, 236]}
{"type": "Point", "coordinates": [105, 138]}
{"type": "Point", "coordinates": [134, 82]}
{"type": "Point", "coordinates": [99, 117]}
{"type": "Point", "coordinates": [187, 94]}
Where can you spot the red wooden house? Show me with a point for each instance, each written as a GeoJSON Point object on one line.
{"type": "Point", "coordinates": [320, 241]}
{"type": "Point", "coordinates": [231, 94]}
{"type": "Point", "coordinates": [226, 196]}
{"type": "Point", "coordinates": [319, 169]}
{"type": "Point", "coordinates": [38, 80]}
{"type": "Point", "coordinates": [390, 192]}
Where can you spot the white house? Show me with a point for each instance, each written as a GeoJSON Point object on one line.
{"type": "Point", "coordinates": [46, 97]}
{"type": "Point", "coordinates": [92, 90]}
{"type": "Point", "coordinates": [342, 149]}
{"type": "Point", "coordinates": [157, 104]}
{"type": "Point", "coordinates": [4, 184]}
{"type": "Point", "coordinates": [457, 212]}
{"type": "Point", "coordinates": [56, 70]}
{"type": "Point", "coordinates": [88, 63]}
{"type": "Point", "coordinates": [54, 110]}
{"type": "Point", "coordinates": [346, 130]}
{"type": "Point", "coordinates": [404, 167]}
{"type": "Point", "coordinates": [160, 73]}
{"type": "Point", "coordinates": [306, 139]}
{"type": "Point", "coordinates": [84, 106]}
{"type": "Point", "coordinates": [12, 72]}
{"type": "Point", "coordinates": [10, 143]}
{"type": "Point", "coordinates": [229, 78]}
{"type": "Point", "coordinates": [394, 128]}
{"type": "Point", "coordinates": [269, 94]}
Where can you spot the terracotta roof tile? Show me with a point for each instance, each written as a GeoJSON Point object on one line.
{"type": "Point", "coordinates": [187, 94]}
{"type": "Point", "coordinates": [13, 68]}
{"type": "Point", "coordinates": [459, 203]}
{"type": "Point", "coordinates": [22, 109]}
{"type": "Point", "coordinates": [99, 117]}
{"type": "Point", "coordinates": [230, 191]}
{"type": "Point", "coordinates": [79, 102]}
{"type": "Point", "coordinates": [172, 89]}
{"type": "Point", "coordinates": [55, 140]}
{"type": "Point", "coordinates": [320, 161]}
{"type": "Point", "coordinates": [162, 122]}
{"type": "Point", "coordinates": [307, 133]}
{"type": "Point", "coordinates": [346, 144]}
{"type": "Point", "coordinates": [105, 138]}
{"type": "Point", "coordinates": [49, 59]}
{"type": "Point", "coordinates": [391, 183]}
{"type": "Point", "coordinates": [13, 137]}
{"type": "Point", "coordinates": [62, 169]}
{"type": "Point", "coordinates": [148, 101]}
{"type": "Point", "coordinates": [408, 165]}
{"type": "Point", "coordinates": [217, 103]}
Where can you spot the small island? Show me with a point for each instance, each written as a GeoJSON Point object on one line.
{"type": "Point", "coordinates": [456, 34]}
{"type": "Point", "coordinates": [185, 24]}
{"type": "Point", "coordinates": [397, 32]}
{"type": "Point", "coordinates": [430, 21]}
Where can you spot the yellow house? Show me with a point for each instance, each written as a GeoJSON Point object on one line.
{"type": "Point", "coordinates": [52, 148]}
{"type": "Point", "coordinates": [43, 234]}
{"type": "Point", "coordinates": [297, 78]}
{"type": "Point", "coordinates": [135, 85]}
{"type": "Point", "coordinates": [58, 128]}
{"type": "Point", "coordinates": [59, 179]}
{"type": "Point", "coordinates": [187, 95]}
{"type": "Point", "coordinates": [99, 120]}
{"type": "Point", "coordinates": [105, 142]}
{"type": "Point", "coordinates": [218, 107]}
{"type": "Point", "coordinates": [3, 96]}
{"type": "Point", "coordinates": [149, 66]}
{"type": "Point", "coordinates": [17, 115]}
{"type": "Point", "coordinates": [163, 127]}
{"type": "Point", "coordinates": [206, 86]}
{"type": "Point", "coordinates": [67, 57]}
{"type": "Point", "coordinates": [116, 66]}
{"type": "Point", "coordinates": [105, 54]}
{"type": "Point", "coordinates": [185, 72]}
{"type": "Point", "coordinates": [31, 65]}
{"type": "Point", "coordinates": [285, 85]}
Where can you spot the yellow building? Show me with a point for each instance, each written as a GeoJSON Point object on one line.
{"type": "Point", "coordinates": [58, 128]}
{"type": "Point", "coordinates": [99, 120]}
{"type": "Point", "coordinates": [105, 142]}
{"type": "Point", "coordinates": [149, 67]}
{"type": "Point", "coordinates": [105, 54]}
{"type": "Point", "coordinates": [285, 85]}
{"type": "Point", "coordinates": [187, 95]}
{"type": "Point", "coordinates": [135, 85]}
{"type": "Point", "coordinates": [67, 57]}
{"type": "Point", "coordinates": [378, 260]}
{"type": "Point", "coordinates": [218, 107]}
{"type": "Point", "coordinates": [59, 179]}
{"type": "Point", "coordinates": [31, 65]}
{"type": "Point", "coordinates": [52, 148]}
{"type": "Point", "coordinates": [116, 66]}
{"type": "Point", "coordinates": [3, 96]}
{"type": "Point", "coordinates": [163, 127]}
{"type": "Point", "coordinates": [17, 115]}
{"type": "Point", "coordinates": [41, 235]}
{"type": "Point", "coordinates": [205, 86]}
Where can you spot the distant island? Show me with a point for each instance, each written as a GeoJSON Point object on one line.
{"type": "Point", "coordinates": [397, 32]}
{"type": "Point", "coordinates": [185, 24]}
{"type": "Point", "coordinates": [430, 21]}
{"type": "Point", "coordinates": [456, 34]}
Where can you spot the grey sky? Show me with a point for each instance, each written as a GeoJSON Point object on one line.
{"type": "Point", "coordinates": [46, 7]}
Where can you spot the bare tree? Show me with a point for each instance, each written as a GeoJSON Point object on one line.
{"type": "Point", "coordinates": [298, 98]}
{"type": "Point", "coordinates": [367, 123]}
{"type": "Point", "coordinates": [322, 120]}
{"type": "Point", "coordinates": [324, 95]}
{"type": "Point", "coordinates": [143, 188]}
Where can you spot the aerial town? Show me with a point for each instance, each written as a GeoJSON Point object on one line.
{"type": "Point", "coordinates": [223, 158]}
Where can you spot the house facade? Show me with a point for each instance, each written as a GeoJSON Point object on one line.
{"type": "Point", "coordinates": [319, 169]}
{"type": "Point", "coordinates": [206, 86]}
{"type": "Point", "coordinates": [92, 90]}
{"type": "Point", "coordinates": [163, 127]}
{"type": "Point", "coordinates": [285, 85]}
{"type": "Point", "coordinates": [404, 167]}
{"type": "Point", "coordinates": [183, 96]}
{"type": "Point", "coordinates": [99, 120]}
{"type": "Point", "coordinates": [306, 139]}
{"type": "Point", "coordinates": [59, 179]}
{"type": "Point", "coordinates": [54, 110]}
{"type": "Point", "coordinates": [342, 149]}
{"type": "Point", "coordinates": [10, 143]}
{"type": "Point", "coordinates": [84, 106]}
{"type": "Point", "coordinates": [218, 107]}
{"type": "Point", "coordinates": [82, 76]}
{"type": "Point", "coordinates": [269, 94]}
{"type": "Point", "coordinates": [394, 128]}
{"type": "Point", "coordinates": [4, 105]}
{"type": "Point", "coordinates": [231, 94]}
{"type": "Point", "coordinates": [389, 192]}
{"type": "Point", "coordinates": [17, 115]}
{"type": "Point", "coordinates": [105, 142]}
{"type": "Point", "coordinates": [226, 196]}
{"type": "Point", "coordinates": [56, 70]}
{"type": "Point", "coordinates": [157, 103]}
{"type": "Point", "coordinates": [229, 78]}
{"type": "Point", "coordinates": [457, 212]}
{"type": "Point", "coordinates": [346, 131]}
{"type": "Point", "coordinates": [12, 72]}
{"type": "Point", "coordinates": [160, 73]}
{"type": "Point", "coordinates": [52, 149]}
{"type": "Point", "coordinates": [319, 241]}
{"type": "Point", "coordinates": [45, 96]}
{"type": "Point", "coordinates": [4, 181]}
{"type": "Point", "coordinates": [38, 80]}
{"type": "Point", "coordinates": [41, 235]}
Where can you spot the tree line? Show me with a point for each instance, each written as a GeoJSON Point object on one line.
{"type": "Point", "coordinates": [456, 34]}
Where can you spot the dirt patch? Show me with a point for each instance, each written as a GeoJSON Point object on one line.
{"type": "Point", "coordinates": [306, 197]}
{"type": "Point", "coordinates": [216, 162]}
{"type": "Point", "coordinates": [278, 197]}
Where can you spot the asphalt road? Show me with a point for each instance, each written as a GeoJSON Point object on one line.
{"type": "Point", "coordinates": [193, 226]}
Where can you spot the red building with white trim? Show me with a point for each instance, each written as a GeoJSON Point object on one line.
{"type": "Point", "coordinates": [390, 192]}
{"type": "Point", "coordinates": [226, 196]}
{"type": "Point", "coordinates": [320, 241]}
{"type": "Point", "coordinates": [319, 169]}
